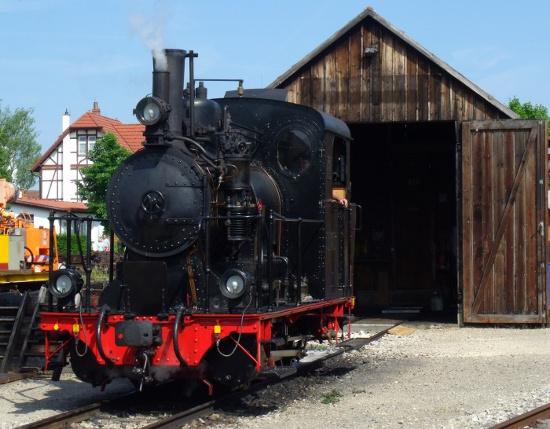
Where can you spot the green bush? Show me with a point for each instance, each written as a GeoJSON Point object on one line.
{"type": "Point", "coordinates": [62, 244]}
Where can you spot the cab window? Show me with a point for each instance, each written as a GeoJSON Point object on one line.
{"type": "Point", "coordinates": [339, 158]}
{"type": "Point", "coordinates": [294, 150]}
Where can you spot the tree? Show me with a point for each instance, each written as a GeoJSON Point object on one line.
{"type": "Point", "coordinates": [18, 147]}
{"type": "Point", "coordinates": [106, 156]}
{"type": "Point", "coordinates": [528, 110]}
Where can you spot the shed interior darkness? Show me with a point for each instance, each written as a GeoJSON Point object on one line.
{"type": "Point", "coordinates": [404, 177]}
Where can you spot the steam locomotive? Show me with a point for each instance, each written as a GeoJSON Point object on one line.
{"type": "Point", "coordinates": [237, 252]}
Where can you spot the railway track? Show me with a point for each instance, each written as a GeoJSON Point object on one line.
{"type": "Point", "coordinates": [526, 420]}
{"type": "Point", "coordinates": [176, 420]}
{"type": "Point", "coordinates": [65, 419]}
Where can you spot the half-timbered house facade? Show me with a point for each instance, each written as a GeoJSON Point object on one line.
{"type": "Point", "coordinates": [59, 167]}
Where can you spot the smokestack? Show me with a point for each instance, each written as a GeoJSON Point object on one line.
{"type": "Point", "coordinates": [66, 120]}
{"type": "Point", "coordinates": [96, 108]}
{"type": "Point", "coordinates": [168, 76]}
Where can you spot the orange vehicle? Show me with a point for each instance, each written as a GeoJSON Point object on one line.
{"type": "Point", "coordinates": [24, 249]}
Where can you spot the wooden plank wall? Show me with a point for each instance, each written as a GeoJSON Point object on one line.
{"type": "Point", "coordinates": [504, 183]}
{"type": "Point", "coordinates": [398, 83]}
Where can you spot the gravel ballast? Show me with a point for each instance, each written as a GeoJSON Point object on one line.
{"type": "Point", "coordinates": [424, 375]}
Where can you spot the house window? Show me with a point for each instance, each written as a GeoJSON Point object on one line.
{"type": "Point", "coordinates": [82, 145]}
{"type": "Point", "coordinates": [86, 142]}
{"type": "Point", "coordinates": [91, 142]}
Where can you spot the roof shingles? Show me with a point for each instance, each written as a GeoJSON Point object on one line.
{"type": "Point", "coordinates": [73, 206]}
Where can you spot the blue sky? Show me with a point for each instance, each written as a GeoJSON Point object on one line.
{"type": "Point", "coordinates": [66, 54]}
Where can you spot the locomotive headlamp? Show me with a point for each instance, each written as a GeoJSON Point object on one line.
{"type": "Point", "coordinates": [151, 110]}
{"type": "Point", "coordinates": [65, 283]}
{"type": "Point", "coordinates": [234, 283]}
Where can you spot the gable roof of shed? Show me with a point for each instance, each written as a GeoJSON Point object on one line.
{"type": "Point", "coordinates": [369, 13]}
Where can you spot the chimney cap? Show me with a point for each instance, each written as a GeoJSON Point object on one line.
{"type": "Point", "coordinates": [65, 120]}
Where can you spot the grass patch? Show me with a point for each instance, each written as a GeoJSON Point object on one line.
{"type": "Point", "coordinates": [331, 397]}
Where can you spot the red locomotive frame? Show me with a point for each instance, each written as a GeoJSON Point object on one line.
{"type": "Point", "coordinates": [198, 332]}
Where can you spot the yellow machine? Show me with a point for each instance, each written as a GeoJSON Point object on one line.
{"type": "Point", "coordinates": [24, 249]}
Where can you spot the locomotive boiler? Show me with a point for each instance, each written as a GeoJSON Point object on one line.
{"type": "Point", "coordinates": [236, 251]}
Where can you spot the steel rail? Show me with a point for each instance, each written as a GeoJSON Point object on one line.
{"type": "Point", "coordinates": [527, 419]}
{"type": "Point", "coordinates": [65, 419]}
{"type": "Point", "coordinates": [176, 421]}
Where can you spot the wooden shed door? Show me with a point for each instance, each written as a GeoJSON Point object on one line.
{"type": "Point", "coordinates": [504, 221]}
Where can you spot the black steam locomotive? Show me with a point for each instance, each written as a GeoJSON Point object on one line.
{"type": "Point", "coordinates": [238, 251]}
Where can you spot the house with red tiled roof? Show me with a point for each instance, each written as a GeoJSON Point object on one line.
{"type": "Point", "coordinates": [59, 168]}
{"type": "Point", "coordinates": [40, 210]}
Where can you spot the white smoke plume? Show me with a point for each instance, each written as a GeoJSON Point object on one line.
{"type": "Point", "coordinates": [149, 28]}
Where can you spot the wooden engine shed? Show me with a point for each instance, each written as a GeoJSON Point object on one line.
{"type": "Point", "coordinates": [453, 187]}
